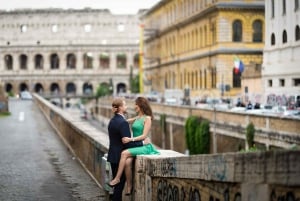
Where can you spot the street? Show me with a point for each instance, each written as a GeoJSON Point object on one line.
{"type": "Point", "coordinates": [35, 164]}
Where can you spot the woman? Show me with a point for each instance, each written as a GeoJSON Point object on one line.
{"type": "Point", "coordinates": [141, 126]}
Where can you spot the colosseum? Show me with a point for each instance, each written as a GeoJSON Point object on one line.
{"type": "Point", "coordinates": [67, 51]}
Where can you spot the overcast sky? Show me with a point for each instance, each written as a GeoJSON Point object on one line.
{"type": "Point", "coordinates": [115, 6]}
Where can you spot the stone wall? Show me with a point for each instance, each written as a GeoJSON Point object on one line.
{"type": "Point", "coordinates": [172, 176]}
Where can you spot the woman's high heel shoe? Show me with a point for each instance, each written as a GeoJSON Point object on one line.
{"type": "Point", "coordinates": [113, 184]}
{"type": "Point", "coordinates": [129, 193]}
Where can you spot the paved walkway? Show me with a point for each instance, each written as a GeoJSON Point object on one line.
{"type": "Point", "coordinates": [35, 165]}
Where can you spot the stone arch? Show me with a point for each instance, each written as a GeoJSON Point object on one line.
{"type": "Point", "coordinates": [54, 88]}
{"type": "Point", "coordinates": [38, 61]}
{"type": "Point", "coordinates": [23, 87]}
{"type": "Point", "coordinates": [38, 88]}
{"type": "Point", "coordinates": [23, 59]}
{"type": "Point", "coordinates": [121, 88]}
{"type": "Point", "coordinates": [9, 87]}
{"type": "Point", "coordinates": [54, 61]}
{"type": "Point", "coordinates": [87, 88]}
{"type": "Point", "coordinates": [70, 88]}
{"type": "Point", "coordinates": [71, 61]}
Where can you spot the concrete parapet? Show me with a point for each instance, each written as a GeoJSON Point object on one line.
{"type": "Point", "coordinates": [258, 176]}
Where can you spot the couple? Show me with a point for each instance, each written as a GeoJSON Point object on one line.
{"type": "Point", "coordinates": [123, 147]}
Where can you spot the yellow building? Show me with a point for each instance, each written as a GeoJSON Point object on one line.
{"type": "Point", "coordinates": [193, 43]}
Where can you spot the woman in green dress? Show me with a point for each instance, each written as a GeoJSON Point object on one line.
{"type": "Point", "coordinates": [141, 126]}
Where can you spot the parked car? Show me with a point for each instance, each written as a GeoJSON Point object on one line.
{"type": "Point", "coordinates": [25, 95]}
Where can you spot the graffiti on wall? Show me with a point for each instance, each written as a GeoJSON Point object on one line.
{"type": "Point", "coordinates": [285, 195]}
{"type": "Point", "coordinates": [170, 191]}
{"type": "Point", "coordinates": [281, 100]}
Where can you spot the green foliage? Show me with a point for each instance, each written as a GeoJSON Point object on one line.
{"type": "Point", "coordinates": [103, 90]}
{"type": "Point", "coordinates": [135, 84]}
{"type": "Point", "coordinates": [163, 122]}
{"type": "Point", "coordinates": [197, 135]}
{"type": "Point", "coordinates": [11, 94]}
{"type": "Point", "coordinates": [250, 131]}
{"type": "Point", "coordinates": [4, 114]}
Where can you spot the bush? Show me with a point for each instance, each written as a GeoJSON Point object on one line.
{"type": "Point", "coordinates": [197, 135]}
{"type": "Point", "coordinates": [250, 131]}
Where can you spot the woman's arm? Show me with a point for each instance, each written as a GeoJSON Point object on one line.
{"type": "Point", "coordinates": [147, 127]}
{"type": "Point", "coordinates": [131, 120]}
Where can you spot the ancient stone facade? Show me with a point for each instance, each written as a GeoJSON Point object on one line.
{"type": "Point", "coordinates": [67, 51]}
{"type": "Point", "coordinates": [193, 44]}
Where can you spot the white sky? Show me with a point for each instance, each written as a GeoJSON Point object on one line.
{"type": "Point", "coordinates": [115, 6]}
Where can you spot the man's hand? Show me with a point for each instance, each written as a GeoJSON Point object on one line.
{"type": "Point", "coordinates": [126, 140]}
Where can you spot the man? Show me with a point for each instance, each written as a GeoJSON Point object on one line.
{"type": "Point", "coordinates": [118, 128]}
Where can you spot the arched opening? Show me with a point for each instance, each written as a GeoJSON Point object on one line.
{"type": "Point", "coordinates": [8, 88]}
{"type": "Point", "coordinates": [237, 31]}
{"type": "Point", "coordinates": [88, 60]}
{"type": "Point", "coordinates": [38, 61]}
{"type": "Point", "coordinates": [71, 61]}
{"type": "Point", "coordinates": [121, 88]}
{"type": "Point", "coordinates": [23, 87]}
{"type": "Point", "coordinates": [104, 60]}
{"type": "Point", "coordinates": [257, 31]}
{"type": "Point", "coordinates": [297, 33]}
{"type": "Point", "coordinates": [8, 60]}
{"type": "Point", "coordinates": [70, 88]}
{"type": "Point", "coordinates": [38, 88]}
{"type": "Point", "coordinates": [54, 61]}
{"type": "Point", "coordinates": [87, 89]}
{"type": "Point", "coordinates": [284, 37]}
{"type": "Point", "coordinates": [273, 40]}
{"type": "Point", "coordinates": [121, 60]}
{"type": "Point", "coordinates": [54, 88]}
{"type": "Point", "coordinates": [23, 62]}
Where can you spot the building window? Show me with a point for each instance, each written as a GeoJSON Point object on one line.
{"type": "Point", "coordinates": [23, 61]}
{"type": "Point", "coordinates": [272, 9]}
{"type": "Point", "coordinates": [257, 31]}
{"type": "Point", "coordinates": [87, 28]}
{"type": "Point", "coordinates": [270, 83]}
{"type": "Point", "coordinates": [284, 37]}
{"type": "Point", "coordinates": [104, 60]}
{"type": "Point", "coordinates": [88, 60]}
{"type": "Point", "coordinates": [23, 28]}
{"type": "Point", "coordinates": [71, 61]}
{"type": "Point", "coordinates": [296, 82]}
{"type": "Point", "coordinates": [283, 7]}
{"type": "Point", "coordinates": [54, 61]}
{"type": "Point", "coordinates": [297, 33]}
{"type": "Point", "coordinates": [237, 30]}
{"type": "Point", "coordinates": [281, 82]}
{"type": "Point", "coordinates": [296, 5]}
{"type": "Point", "coordinates": [54, 28]}
{"type": "Point", "coordinates": [236, 82]}
{"type": "Point", "coordinates": [38, 61]}
{"type": "Point", "coordinates": [8, 60]}
{"type": "Point", "coordinates": [121, 60]}
{"type": "Point", "coordinates": [273, 40]}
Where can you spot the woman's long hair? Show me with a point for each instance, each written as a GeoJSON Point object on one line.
{"type": "Point", "coordinates": [144, 105]}
{"type": "Point", "coordinates": [116, 104]}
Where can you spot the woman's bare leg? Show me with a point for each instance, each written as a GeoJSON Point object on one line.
{"type": "Point", "coordinates": [128, 173]}
{"type": "Point", "coordinates": [124, 155]}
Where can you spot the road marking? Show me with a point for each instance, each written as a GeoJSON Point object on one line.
{"type": "Point", "coordinates": [21, 116]}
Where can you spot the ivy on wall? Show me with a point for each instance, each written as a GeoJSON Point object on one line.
{"type": "Point", "coordinates": [197, 135]}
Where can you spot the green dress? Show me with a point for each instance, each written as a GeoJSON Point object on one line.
{"type": "Point", "coordinates": [137, 130]}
